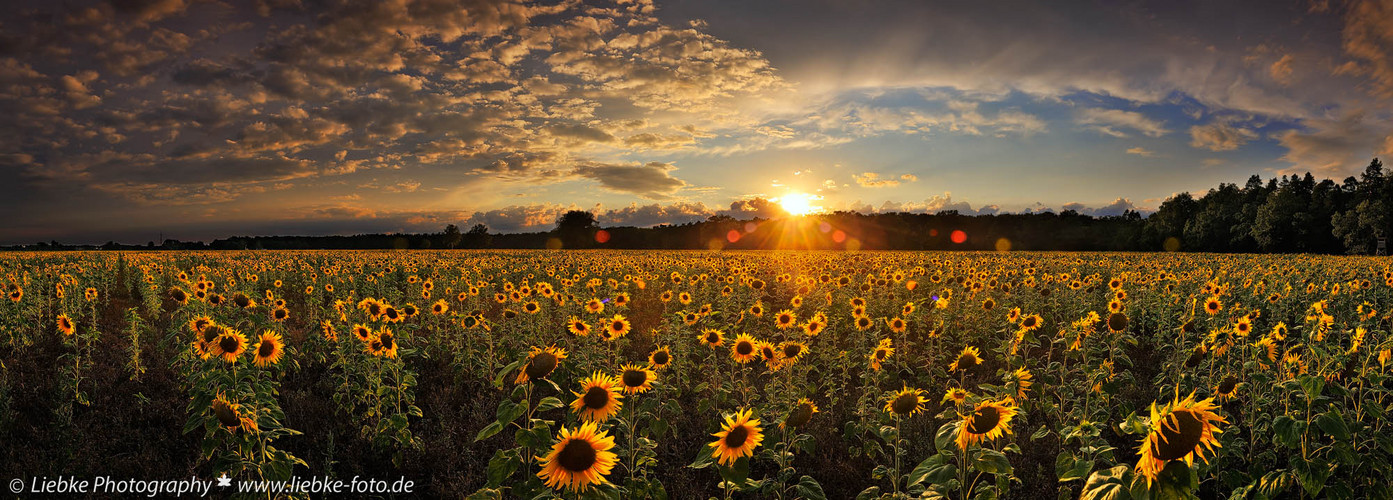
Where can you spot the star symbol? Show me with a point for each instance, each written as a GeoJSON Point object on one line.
{"type": "Point", "coordinates": [224, 481]}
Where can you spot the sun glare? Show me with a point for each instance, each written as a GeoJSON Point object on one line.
{"type": "Point", "coordinates": [799, 203]}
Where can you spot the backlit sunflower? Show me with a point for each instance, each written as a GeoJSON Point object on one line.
{"type": "Point", "coordinates": [968, 359]}
{"type": "Point", "coordinates": [991, 420]}
{"type": "Point", "coordinates": [269, 349]}
{"type": "Point", "coordinates": [577, 327]}
{"type": "Point", "coordinates": [439, 307]}
{"type": "Point", "coordinates": [540, 363]}
{"type": "Point", "coordinates": [897, 325]}
{"type": "Point", "coordinates": [712, 338]}
{"type": "Point", "coordinates": [906, 402]}
{"type": "Point", "coordinates": [660, 358]}
{"type": "Point", "coordinates": [362, 332]}
{"type": "Point", "coordinates": [882, 352]}
{"type": "Point", "coordinates": [616, 327]}
{"type": "Point", "coordinates": [1117, 322]}
{"type": "Point", "coordinates": [785, 319]}
{"type": "Point", "coordinates": [636, 379]}
{"type": "Point", "coordinates": [65, 324]}
{"type": "Point", "coordinates": [327, 327]}
{"type": "Point", "coordinates": [230, 345]}
{"type": "Point", "coordinates": [280, 314]}
{"type": "Point", "coordinates": [579, 459]}
{"type": "Point", "coordinates": [770, 354]}
{"type": "Point", "coordinates": [388, 342]}
{"type": "Point", "coordinates": [1227, 388]}
{"type": "Point", "coordinates": [791, 351]}
{"type": "Point", "coordinates": [801, 413]}
{"type": "Point", "coordinates": [1212, 305]}
{"type": "Point", "coordinates": [1031, 322]}
{"type": "Point", "coordinates": [598, 398]}
{"type": "Point", "coordinates": [738, 437]}
{"type": "Point", "coordinates": [1181, 430]}
{"type": "Point", "coordinates": [744, 349]}
{"type": "Point", "coordinates": [1023, 379]}
{"type": "Point", "coordinates": [231, 416]}
{"type": "Point", "coordinates": [864, 323]}
{"type": "Point", "coordinates": [957, 395]}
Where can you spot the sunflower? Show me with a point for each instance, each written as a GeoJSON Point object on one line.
{"type": "Point", "coordinates": [531, 307]}
{"type": "Point", "coordinates": [598, 399]}
{"type": "Point", "coordinates": [280, 314]}
{"type": "Point", "coordinates": [1117, 322]}
{"type": "Point", "coordinates": [712, 338]}
{"type": "Point", "coordinates": [757, 309]}
{"type": "Point", "coordinates": [864, 323]}
{"type": "Point", "coordinates": [440, 307]}
{"type": "Point", "coordinates": [1181, 430]}
{"type": "Point", "coordinates": [660, 358]}
{"type": "Point", "coordinates": [577, 327]}
{"type": "Point", "coordinates": [1212, 305]}
{"type": "Point", "coordinates": [1013, 315]}
{"type": "Point", "coordinates": [241, 300]}
{"type": "Point", "coordinates": [791, 351]}
{"type": "Point", "coordinates": [388, 343]}
{"type": "Point", "coordinates": [1023, 379]}
{"type": "Point", "coordinates": [906, 402]}
{"type": "Point", "coordinates": [616, 327]}
{"type": "Point", "coordinates": [882, 352]}
{"type": "Point", "coordinates": [814, 326]}
{"type": "Point", "coordinates": [801, 413]}
{"type": "Point", "coordinates": [956, 394]}
{"type": "Point", "coordinates": [785, 319]}
{"type": "Point", "coordinates": [1227, 388]}
{"type": "Point", "coordinates": [230, 415]}
{"type": "Point", "coordinates": [744, 348]}
{"type": "Point", "coordinates": [329, 333]}
{"type": "Point", "coordinates": [991, 419]}
{"type": "Point", "coordinates": [229, 345]}
{"type": "Point", "coordinates": [897, 325]}
{"type": "Point", "coordinates": [1031, 322]}
{"type": "Point", "coordinates": [594, 306]}
{"type": "Point", "coordinates": [65, 324]}
{"type": "Point", "coordinates": [269, 350]}
{"type": "Point", "coordinates": [968, 359]}
{"type": "Point", "coordinates": [769, 354]}
{"type": "Point", "coordinates": [579, 459]}
{"type": "Point", "coordinates": [362, 332]}
{"type": "Point", "coordinates": [540, 363]}
{"type": "Point", "coordinates": [636, 379]}
{"type": "Point", "coordinates": [739, 437]}
{"type": "Point", "coordinates": [17, 293]}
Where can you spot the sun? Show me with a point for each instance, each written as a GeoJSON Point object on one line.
{"type": "Point", "coordinates": [799, 203]}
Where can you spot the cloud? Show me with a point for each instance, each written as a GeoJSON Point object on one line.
{"type": "Point", "coordinates": [1142, 152]}
{"type": "Point", "coordinates": [649, 180]}
{"type": "Point", "coordinates": [655, 214]}
{"type": "Point", "coordinates": [753, 208]}
{"type": "Point", "coordinates": [1368, 41]}
{"type": "Point", "coordinates": [1220, 135]}
{"type": "Point", "coordinates": [1335, 147]}
{"type": "Point", "coordinates": [1111, 121]}
{"type": "Point", "coordinates": [1281, 70]}
{"type": "Point", "coordinates": [1116, 208]}
{"type": "Point", "coordinates": [520, 218]}
{"type": "Point", "coordinates": [873, 180]}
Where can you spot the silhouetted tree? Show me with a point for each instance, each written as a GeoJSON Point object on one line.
{"type": "Point", "coordinates": [576, 229]}
{"type": "Point", "coordinates": [452, 236]}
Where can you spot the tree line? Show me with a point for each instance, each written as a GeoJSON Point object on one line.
{"type": "Point", "coordinates": [1287, 214]}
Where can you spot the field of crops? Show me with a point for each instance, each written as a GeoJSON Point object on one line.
{"type": "Point", "coordinates": [707, 374]}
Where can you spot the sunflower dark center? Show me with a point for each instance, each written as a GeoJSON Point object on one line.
{"type": "Point", "coordinates": [635, 378]}
{"type": "Point", "coordinates": [880, 354]}
{"type": "Point", "coordinates": [744, 348]}
{"type": "Point", "coordinates": [596, 398]}
{"type": "Point", "coordinates": [1117, 322]}
{"type": "Point", "coordinates": [984, 420]}
{"type": "Point", "coordinates": [226, 415]}
{"type": "Point", "coordinates": [905, 403]}
{"type": "Point", "coordinates": [1029, 322]}
{"type": "Point", "coordinates": [785, 319]}
{"type": "Point", "coordinates": [661, 358]}
{"type": "Point", "coordinates": [966, 361]}
{"type": "Point", "coordinates": [792, 350]}
{"type": "Point", "coordinates": [266, 349]}
{"type": "Point", "coordinates": [737, 436]}
{"type": "Point", "coordinates": [800, 416]}
{"type": "Point", "coordinates": [1179, 435]}
{"type": "Point", "coordinates": [542, 364]}
{"type": "Point", "coordinates": [712, 338]}
{"type": "Point", "coordinates": [576, 456]}
{"type": "Point", "coordinates": [618, 326]}
{"type": "Point", "coordinates": [228, 343]}
{"type": "Point", "coordinates": [388, 341]}
{"type": "Point", "coordinates": [1228, 385]}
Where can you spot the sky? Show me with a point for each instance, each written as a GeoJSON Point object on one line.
{"type": "Point", "coordinates": [132, 120]}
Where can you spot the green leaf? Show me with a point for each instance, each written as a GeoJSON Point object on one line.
{"type": "Point", "coordinates": [869, 493]}
{"type": "Point", "coordinates": [808, 488]}
{"type": "Point", "coordinates": [502, 466]}
{"type": "Point", "coordinates": [1040, 433]}
{"type": "Point", "coordinates": [549, 403]}
{"type": "Point", "coordinates": [498, 380]}
{"type": "Point", "coordinates": [933, 470]}
{"type": "Point", "coordinates": [703, 458]}
{"type": "Point", "coordinates": [488, 432]}
{"type": "Point", "coordinates": [1333, 423]}
{"type": "Point", "coordinates": [992, 462]}
{"type": "Point", "coordinates": [946, 433]}
{"type": "Point", "coordinates": [1107, 484]}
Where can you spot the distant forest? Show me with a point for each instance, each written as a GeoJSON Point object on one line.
{"type": "Point", "coordinates": [1290, 214]}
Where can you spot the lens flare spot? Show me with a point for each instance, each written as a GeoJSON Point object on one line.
{"type": "Point", "coordinates": [1003, 245]}
{"type": "Point", "coordinates": [958, 237]}
{"type": "Point", "coordinates": [602, 236]}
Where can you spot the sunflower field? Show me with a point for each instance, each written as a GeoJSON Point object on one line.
{"type": "Point", "coordinates": [577, 374]}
